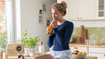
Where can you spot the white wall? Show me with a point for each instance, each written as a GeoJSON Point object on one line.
{"type": "Point", "coordinates": [29, 10]}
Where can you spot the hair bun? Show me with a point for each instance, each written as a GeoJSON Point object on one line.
{"type": "Point", "coordinates": [63, 4]}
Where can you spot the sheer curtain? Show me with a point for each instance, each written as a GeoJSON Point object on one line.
{"type": "Point", "coordinates": [12, 12]}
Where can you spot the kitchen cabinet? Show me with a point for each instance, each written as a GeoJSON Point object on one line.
{"type": "Point", "coordinates": [99, 52]}
{"type": "Point", "coordinates": [72, 10]}
{"type": "Point", "coordinates": [85, 9]}
{"type": "Point", "coordinates": [80, 9]}
{"type": "Point", "coordinates": [100, 9]}
{"type": "Point", "coordinates": [92, 50]}
{"type": "Point", "coordinates": [99, 55]}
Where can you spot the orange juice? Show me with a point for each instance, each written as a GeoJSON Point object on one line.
{"type": "Point", "coordinates": [1, 55]}
{"type": "Point", "coordinates": [49, 29]}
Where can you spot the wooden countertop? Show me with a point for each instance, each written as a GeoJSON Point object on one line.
{"type": "Point", "coordinates": [90, 57]}
{"type": "Point", "coordinates": [15, 57]}
{"type": "Point", "coordinates": [87, 57]}
{"type": "Point", "coordinates": [83, 45]}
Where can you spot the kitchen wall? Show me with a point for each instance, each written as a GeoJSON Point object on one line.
{"type": "Point", "coordinates": [96, 30]}
{"type": "Point", "coordinates": [29, 10]}
{"type": "Point", "coordinates": [96, 35]}
{"type": "Point", "coordinates": [85, 13]}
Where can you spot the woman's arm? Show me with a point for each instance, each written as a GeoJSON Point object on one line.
{"type": "Point", "coordinates": [50, 40]}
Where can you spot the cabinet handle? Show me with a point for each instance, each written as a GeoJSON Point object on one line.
{"type": "Point", "coordinates": [75, 48]}
{"type": "Point", "coordinates": [80, 18]}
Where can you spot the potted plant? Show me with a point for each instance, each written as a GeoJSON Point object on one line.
{"type": "Point", "coordinates": [29, 42]}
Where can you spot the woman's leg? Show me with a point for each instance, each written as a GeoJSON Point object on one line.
{"type": "Point", "coordinates": [47, 56]}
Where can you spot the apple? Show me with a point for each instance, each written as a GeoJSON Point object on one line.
{"type": "Point", "coordinates": [76, 51]}
{"type": "Point", "coordinates": [22, 57]}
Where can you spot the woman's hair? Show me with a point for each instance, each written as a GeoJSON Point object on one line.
{"type": "Point", "coordinates": [60, 6]}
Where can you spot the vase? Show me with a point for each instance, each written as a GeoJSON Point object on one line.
{"type": "Point", "coordinates": [26, 52]}
{"type": "Point", "coordinates": [32, 51]}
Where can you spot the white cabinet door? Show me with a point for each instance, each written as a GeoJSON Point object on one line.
{"type": "Point", "coordinates": [80, 9]}
{"type": "Point", "coordinates": [99, 56]}
{"type": "Point", "coordinates": [96, 50]}
{"type": "Point", "coordinates": [100, 9]}
{"type": "Point", "coordinates": [86, 9]}
{"type": "Point", "coordinates": [99, 52]}
{"type": "Point", "coordinates": [72, 10]}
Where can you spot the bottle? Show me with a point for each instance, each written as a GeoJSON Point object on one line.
{"type": "Point", "coordinates": [5, 55]}
{"type": "Point", "coordinates": [49, 29]}
{"type": "Point", "coordinates": [41, 48]}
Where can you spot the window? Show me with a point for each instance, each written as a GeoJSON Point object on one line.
{"type": "Point", "coordinates": [101, 8]}
{"type": "Point", "coordinates": [3, 33]}
{"type": "Point", "coordinates": [9, 18]}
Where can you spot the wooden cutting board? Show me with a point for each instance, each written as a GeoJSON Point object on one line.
{"type": "Point", "coordinates": [81, 35]}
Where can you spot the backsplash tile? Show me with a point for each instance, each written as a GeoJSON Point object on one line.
{"type": "Point", "coordinates": [95, 34]}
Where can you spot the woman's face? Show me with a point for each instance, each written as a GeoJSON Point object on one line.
{"type": "Point", "coordinates": [56, 14]}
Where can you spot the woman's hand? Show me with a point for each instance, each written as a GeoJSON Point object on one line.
{"type": "Point", "coordinates": [49, 29]}
{"type": "Point", "coordinates": [54, 24]}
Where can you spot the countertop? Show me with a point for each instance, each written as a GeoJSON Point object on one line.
{"type": "Point", "coordinates": [87, 57]}
{"type": "Point", "coordinates": [90, 57]}
{"type": "Point", "coordinates": [83, 45]}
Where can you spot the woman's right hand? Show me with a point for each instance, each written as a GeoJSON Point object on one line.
{"type": "Point", "coordinates": [54, 24]}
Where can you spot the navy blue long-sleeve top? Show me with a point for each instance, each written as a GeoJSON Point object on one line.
{"type": "Point", "coordinates": [61, 36]}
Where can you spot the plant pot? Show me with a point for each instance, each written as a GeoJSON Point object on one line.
{"type": "Point", "coordinates": [26, 51]}
{"type": "Point", "coordinates": [34, 51]}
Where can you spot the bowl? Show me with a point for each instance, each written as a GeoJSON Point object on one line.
{"type": "Point", "coordinates": [78, 56]}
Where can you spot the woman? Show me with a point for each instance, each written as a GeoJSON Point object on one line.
{"type": "Point", "coordinates": [60, 37]}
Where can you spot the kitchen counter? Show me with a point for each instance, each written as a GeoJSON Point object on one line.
{"type": "Point", "coordinates": [87, 57]}
{"type": "Point", "coordinates": [90, 57]}
{"type": "Point", "coordinates": [15, 57]}
{"type": "Point", "coordinates": [83, 45]}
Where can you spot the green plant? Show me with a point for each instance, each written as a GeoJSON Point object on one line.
{"type": "Point", "coordinates": [3, 33]}
{"type": "Point", "coordinates": [1, 18]}
{"type": "Point", "coordinates": [29, 42]}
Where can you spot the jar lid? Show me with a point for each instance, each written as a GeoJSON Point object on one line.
{"type": "Point", "coordinates": [41, 42]}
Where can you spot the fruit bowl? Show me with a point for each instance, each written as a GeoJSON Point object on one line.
{"type": "Point", "coordinates": [78, 56]}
